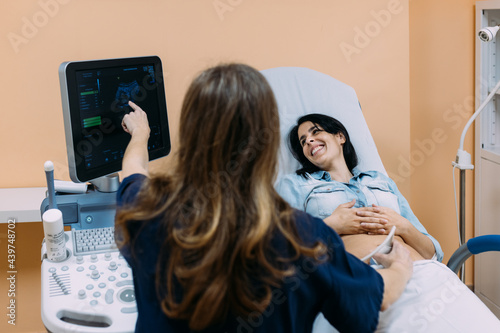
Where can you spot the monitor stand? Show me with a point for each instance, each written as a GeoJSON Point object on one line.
{"type": "Point", "coordinates": [107, 184]}
{"type": "Point", "coordinates": [94, 209]}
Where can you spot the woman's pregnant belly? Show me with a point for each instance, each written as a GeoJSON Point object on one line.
{"type": "Point", "coordinates": [362, 244]}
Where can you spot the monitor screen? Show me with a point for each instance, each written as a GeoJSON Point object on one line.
{"type": "Point", "coordinates": [95, 97]}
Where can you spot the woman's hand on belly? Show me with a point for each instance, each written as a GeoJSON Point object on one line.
{"type": "Point", "coordinates": [346, 220]}
{"type": "Point", "coordinates": [407, 231]}
{"type": "Point", "coordinates": [362, 244]}
{"type": "Point", "coordinates": [392, 217]}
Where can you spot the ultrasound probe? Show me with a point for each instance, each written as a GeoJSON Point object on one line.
{"type": "Point", "coordinates": [49, 174]}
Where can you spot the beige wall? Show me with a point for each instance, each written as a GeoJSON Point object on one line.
{"type": "Point", "coordinates": [410, 77]}
{"type": "Point", "coordinates": [442, 41]}
{"type": "Point", "coordinates": [189, 36]}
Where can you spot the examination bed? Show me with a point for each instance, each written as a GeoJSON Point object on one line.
{"type": "Point", "coordinates": [435, 300]}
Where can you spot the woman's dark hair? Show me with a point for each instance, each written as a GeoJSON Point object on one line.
{"type": "Point", "coordinates": [330, 125]}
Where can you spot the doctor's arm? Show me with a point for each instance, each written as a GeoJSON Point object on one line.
{"type": "Point", "coordinates": [136, 155]}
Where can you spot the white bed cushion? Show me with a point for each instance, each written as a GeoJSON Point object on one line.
{"type": "Point", "coordinates": [436, 301]}
{"type": "Point", "coordinates": [301, 91]}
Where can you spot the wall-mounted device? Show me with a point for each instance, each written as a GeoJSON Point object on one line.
{"type": "Point", "coordinates": [487, 149]}
{"type": "Point", "coordinates": [487, 34]}
{"type": "Point", "coordinates": [91, 289]}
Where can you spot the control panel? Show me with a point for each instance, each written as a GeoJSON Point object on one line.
{"type": "Point", "coordinates": [88, 293]}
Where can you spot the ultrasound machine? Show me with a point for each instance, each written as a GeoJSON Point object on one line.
{"type": "Point", "coordinates": [92, 289]}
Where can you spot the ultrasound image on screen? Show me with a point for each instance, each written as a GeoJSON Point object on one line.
{"type": "Point", "coordinates": [126, 92]}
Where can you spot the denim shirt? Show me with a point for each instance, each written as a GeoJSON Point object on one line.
{"type": "Point", "coordinates": [319, 195]}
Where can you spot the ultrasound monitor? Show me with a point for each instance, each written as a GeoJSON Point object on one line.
{"type": "Point", "coordinates": [95, 96]}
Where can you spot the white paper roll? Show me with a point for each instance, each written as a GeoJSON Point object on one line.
{"type": "Point", "coordinates": [53, 229]}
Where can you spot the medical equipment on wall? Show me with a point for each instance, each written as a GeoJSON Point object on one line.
{"type": "Point", "coordinates": [487, 160]}
{"type": "Point", "coordinates": [463, 162]}
{"type": "Point", "coordinates": [89, 287]}
{"type": "Point", "coordinates": [463, 158]}
{"type": "Point", "coordinates": [488, 34]}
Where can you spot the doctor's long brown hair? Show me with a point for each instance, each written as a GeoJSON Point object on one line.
{"type": "Point", "coordinates": [219, 209]}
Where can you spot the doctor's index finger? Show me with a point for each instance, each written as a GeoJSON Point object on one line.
{"type": "Point", "coordinates": [134, 106]}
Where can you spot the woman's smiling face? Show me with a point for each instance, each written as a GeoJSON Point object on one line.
{"type": "Point", "coordinates": [320, 147]}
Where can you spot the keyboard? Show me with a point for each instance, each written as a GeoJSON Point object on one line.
{"type": "Point", "coordinates": [96, 240]}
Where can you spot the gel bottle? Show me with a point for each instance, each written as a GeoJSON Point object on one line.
{"type": "Point", "coordinates": [54, 235]}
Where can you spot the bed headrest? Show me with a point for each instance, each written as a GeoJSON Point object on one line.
{"type": "Point", "coordinates": [301, 91]}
